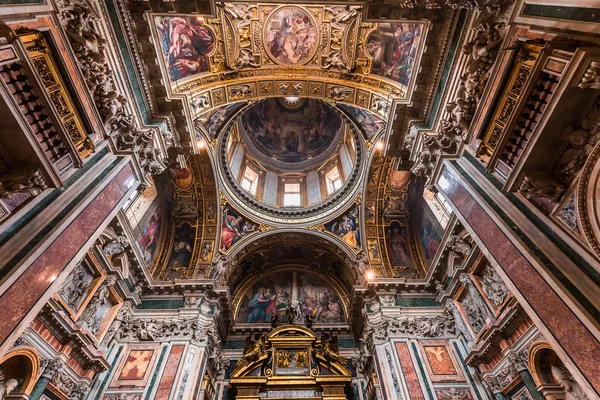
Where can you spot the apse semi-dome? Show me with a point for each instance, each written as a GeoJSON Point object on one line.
{"type": "Point", "coordinates": [291, 159]}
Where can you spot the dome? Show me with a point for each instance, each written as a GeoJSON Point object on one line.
{"type": "Point", "coordinates": [291, 158]}
{"type": "Point", "coordinates": [291, 133]}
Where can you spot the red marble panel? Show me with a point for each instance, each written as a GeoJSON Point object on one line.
{"type": "Point", "coordinates": [136, 365]}
{"type": "Point", "coordinates": [168, 377]}
{"type": "Point", "coordinates": [410, 374]}
{"type": "Point", "coordinates": [41, 274]}
{"type": "Point", "coordinates": [565, 326]}
{"type": "Point", "coordinates": [439, 360]}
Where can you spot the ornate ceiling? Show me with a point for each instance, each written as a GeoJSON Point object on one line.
{"type": "Point", "coordinates": [291, 80]}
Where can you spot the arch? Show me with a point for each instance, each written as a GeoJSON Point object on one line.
{"type": "Point", "coordinates": [253, 281]}
{"type": "Point", "coordinates": [22, 361]}
{"type": "Point", "coordinates": [540, 359]}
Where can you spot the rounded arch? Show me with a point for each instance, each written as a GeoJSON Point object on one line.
{"type": "Point", "coordinates": [22, 364]}
{"type": "Point", "coordinates": [541, 358]}
{"type": "Point", "coordinates": [324, 289]}
{"type": "Point", "coordinates": [314, 249]}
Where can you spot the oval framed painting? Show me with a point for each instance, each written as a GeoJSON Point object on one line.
{"type": "Point", "coordinates": [291, 35]}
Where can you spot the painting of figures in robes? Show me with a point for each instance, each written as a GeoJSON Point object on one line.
{"type": "Point", "coordinates": [234, 227]}
{"type": "Point", "coordinates": [182, 247]}
{"type": "Point", "coordinates": [149, 237]}
{"type": "Point", "coordinates": [347, 227]}
{"type": "Point", "coordinates": [431, 235]}
{"type": "Point", "coordinates": [397, 245]}
{"type": "Point", "coordinates": [300, 292]}
{"type": "Point", "coordinates": [185, 43]}
{"type": "Point", "coordinates": [291, 135]}
{"type": "Point", "coordinates": [291, 36]}
{"type": "Point", "coordinates": [370, 122]}
{"type": "Point", "coordinates": [393, 48]}
{"type": "Point", "coordinates": [212, 121]}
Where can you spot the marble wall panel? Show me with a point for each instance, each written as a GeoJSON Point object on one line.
{"type": "Point", "coordinates": [568, 330]}
{"type": "Point", "coordinates": [168, 377]}
{"type": "Point", "coordinates": [25, 292]}
{"type": "Point", "coordinates": [410, 374]}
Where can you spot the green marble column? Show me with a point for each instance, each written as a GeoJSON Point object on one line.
{"type": "Point", "coordinates": [39, 388]}
{"type": "Point", "coordinates": [500, 396]}
{"type": "Point", "coordinates": [50, 370]}
{"type": "Point", "coordinates": [530, 384]}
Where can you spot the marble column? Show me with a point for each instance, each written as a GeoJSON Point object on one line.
{"type": "Point", "coordinates": [46, 376]}
{"type": "Point", "coordinates": [520, 364]}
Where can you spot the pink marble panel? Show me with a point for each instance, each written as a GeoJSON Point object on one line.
{"type": "Point", "coordinates": [410, 374]}
{"type": "Point", "coordinates": [35, 281]}
{"type": "Point", "coordinates": [168, 377]}
{"type": "Point", "coordinates": [569, 331]}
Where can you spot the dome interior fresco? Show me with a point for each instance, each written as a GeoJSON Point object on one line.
{"type": "Point", "coordinates": [287, 135]}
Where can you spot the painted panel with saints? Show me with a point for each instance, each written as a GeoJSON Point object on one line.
{"type": "Point", "coordinates": [370, 122]}
{"type": "Point", "coordinates": [397, 244]}
{"type": "Point", "coordinates": [212, 121]}
{"type": "Point", "coordinates": [301, 292]}
{"type": "Point", "coordinates": [393, 48]}
{"type": "Point", "coordinates": [185, 43]}
{"type": "Point", "coordinates": [235, 226]}
{"type": "Point", "coordinates": [347, 227]}
{"type": "Point", "coordinates": [182, 248]}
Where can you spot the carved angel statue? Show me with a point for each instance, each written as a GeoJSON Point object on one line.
{"type": "Point", "coordinates": [573, 390]}
{"type": "Point", "coordinates": [341, 15]}
{"type": "Point", "coordinates": [335, 60]}
{"type": "Point", "coordinates": [220, 267]}
{"type": "Point", "coordinates": [340, 92]}
{"type": "Point", "coordinates": [459, 245]}
{"type": "Point", "coordinates": [362, 262]}
{"type": "Point", "coordinates": [246, 59]}
{"type": "Point", "coordinates": [458, 322]}
{"type": "Point", "coordinates": [243, 12]}
{"type": "Point", "coordinates": [252, 349]}
{"type": "Point", "coordinates": [331, 349]}
{"type": "Point", "coordinates": [240, 91]}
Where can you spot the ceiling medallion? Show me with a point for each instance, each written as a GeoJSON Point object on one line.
{"type": "Point", "coordinates": [291, 36]}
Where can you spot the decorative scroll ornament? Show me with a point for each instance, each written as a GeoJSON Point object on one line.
{"type": "Point", "coordinates": [89, 47]}
{"type": "Point", "coordinates": [430, 327]}
{"type": "Point", "coordinates": [52, 368]}
{"type": "Point", "coordinates": [150, 329]}
{"type": "Point", "coordinates": [453, 129]}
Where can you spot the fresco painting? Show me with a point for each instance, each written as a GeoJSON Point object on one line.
{"type": "Point", "coordinates": [212, 121]}
{"type": "Point", "coordinates": [370, 122]}
{"type": "Point", "coordinates": [149, 239]}
{"type": "Point", "coordinates": [347, 227]}
{"type": "Point", "coordinates": [185, 43]}
{"type": "Point", "coordinates": [397, 245]}
{"type": "Point", "coordinates": [291, 36]}
{"type": "Point", "coordinates": [183, 247]}
{"type": "Point", "coordinates": [393, 48]}
{"type": "Point", "coordinates": [181, 177]}
{"type": "Point", "coordinates": [291, 135]}
{"type": "Point", "coordinates": [430, 233]}
{"type": "Point", "coordinates": [234, 227]}
{"type": "Point", "coordinates": [301, 292]}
